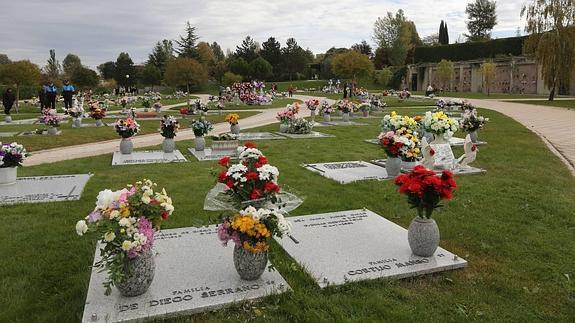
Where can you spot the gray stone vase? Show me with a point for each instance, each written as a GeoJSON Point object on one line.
{"type": "Point", "coordinates": [250, 266]}
{"type": "Point", "coordinates": [99, 123]}
{"type": "Point", "coordinates": [326, 117]}
{"type": "Point", "coordinates": [284, 127]}
{"type": "Point", "coordinates": [77, 123]}
{"type": "Point", "coordinates": [235, 129]}
{"type": "Point", "coordinates": [393, 166]}
{"type": "Point", "coordinates": [200, 143]}
{"type": "Point", "coordinates": [52, 131]}
{"type": "Point", "coordinates": [345, 117]}
{"type": "Point", "coordinates": [423, 237]}
{"type": "Point", "coordinates": [126, 146]}
{"type": "Point", "coordinates": [473, 136]}
{"type": "Point", "coordinates": [138, 274]}
{"type": "Point", "coordinates": [168, 145]}
{"type": "Point", "coordinates": [8, 119]}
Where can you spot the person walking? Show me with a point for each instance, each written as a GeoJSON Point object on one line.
{"type": "Point", "coordinates": [345, 90]}
{"type": "Point", "coordinates": [68, 92]}
{"type": "Point", "coordinates": [51, 92]}
{"type": "Point", "coordinates": [8, 99]}
{"type": "Point", "coordinates": [290, 91]}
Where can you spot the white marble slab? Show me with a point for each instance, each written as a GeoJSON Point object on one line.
{"type": "Point", "coordinates": [454, 141]}
{"type": "Point", "coordinates": [33, 133]}
{"type": "Point", "coordinates": [259, 136]}
{"type": "Point", "coordinates": [349, 171]}
{"type": "Point", "coordinates": [147, 157]}
{"type": "Point", "coordinates": [313, 134]}
{"type": "Point", "coordinates": [8, 134]}
{"type": "Point", "coordinates": [340, 247]}
{"type": "Point", "coordinates": [18, 122]}
{"type": "Point", "coordinates": [456, 171]}
{"type": "Point", "coordinates": [194, 273]}
{"type": "Point", "coordinates": [344, 123]}
{"type": "Point", "coordinates": [41, 189]}
{"type": "Point", "coordinates": [209, 154]}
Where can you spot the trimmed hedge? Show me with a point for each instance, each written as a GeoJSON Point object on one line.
{"type": "Point", "coordinates": [469, 51]}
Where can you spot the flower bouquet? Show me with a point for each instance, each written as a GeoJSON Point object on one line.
{"type": "Point", "coordinates": [50, 118]}
{"type": "Point", "coordinates": [470, 123]}
{"type": "Point", "coordinates": [394, 121]}
{"type": "Point", "coordinates": [232, 119]}
{"type": "Point", "coordinates": [410, 151]}
{"type": "Point", "coordinates": [364, 107]}
{"type": "Point", "coordinates": [11, 156]}
{"type": "Point", "coordinates": [184, 112]}
{"type": "Point", "coordinates": [312, 104]}
{"type": "Point", "coordinates": [146, 103]}
{"type": "Point", "coordinates": [424, 190]}
{"type": "Point", "coordinates": [300, 126]}
{"type": "Point", "coordinates": [97, 114]}
{"type": "Point", "coordinates": [126, 221]}
{"type": "Point", "coordinates": [285, 117]}
{"type": "Point", "coordinates": [440, 124]}
{"type": "Point", "coordinates": [251, 230]}
{"type": "Point", "coordinates": [168, 128]}
{"type": "Point", "coordinates": [226, 141]}
{"type": "Point", "coordinates": [126, 128]}
{"type": "Point", "coordinates": [201, 128]}
{"type": "Point", "coordinates": [326, 110]}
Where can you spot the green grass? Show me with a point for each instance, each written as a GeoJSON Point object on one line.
{"type": "Point", "coordinates": [569, 104]}
{"type": "Point", "coordinates": [477, 95]}
{"type": "Point", "coordinates": [75, 136]}
{"type": "Point", "coordinates": [276, 103]}
{"type": "Point", "coordinates": [392, 101]}
{"type": "Point", "coordinates": [514, 225]}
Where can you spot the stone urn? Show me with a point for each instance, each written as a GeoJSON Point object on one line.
{"type": "Point", "coordinates": [126, 146]}
{"type": "Point", "coordinates": [168, 145]}
{"type": "Point", "coordinates": [473, 136]}
{"type": "Point", "coordinates": [312, 114]}
{"type": "Point", "coordinates": [138, 274]}
{"type": "Point", "coordinates": [423, 236]}
{"type": "Point", "coordinates": [345, 117]}
{"type": "Point", "coordinates": [393, 166]}
{"type": "Point", "coordinates": [284, 127]}
{"type": "Point", "coordinates": [235, 129]}
{"type": "Point", "coordinates": [99, 123]}
{"type": "Point", "coordinates": [428, 136]}
{"type": "Point", "coordinates": [408, 165]}
{"type": "Point", "coordinates": [77, 123]}
{"type": "Point", "coordinates": [439, 139]}
{"type": "Point", "coordinates": [8, 119]}
{"type": "Point", "coordinates": [327, 117]}
{"type": "Point", "coordinates": [52, 131]}
{"type": "Point", "coordinates": [200, 142]}
{"type": "Point", "coordinates": [250, 265]}
{"type": "Point", "coordinates": [365, 113]}
{"type": "Point", "coordinates": [8, 175]}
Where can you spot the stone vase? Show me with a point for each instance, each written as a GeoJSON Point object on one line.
{"type": "Point", "coordinates": [423, 237]}
{"type": "Point", "coordinates": [365, 113]}
{"type": "Point", "coordinates": [235, 129]}
{"type": "Point", "coordinates": [250, 265]}
{"type": "Point", "coordinates": [284, 127]}
{"type": "Point", "coordinates": [312, 113]}
{"type": "Point", "coordinates": [345, 117]}
{"type": "Point", "coordinates": [393, 166]}
{"type": "Point", "coordinates": [52, 131]}
{"type": "Point", "coordinates": [408, 166]}
{"type": "Point", "coordinates": [326, 117]}
{"type": "Point", "coordinates": [8, 119]}
{"type": "Point", "coordinates": [439, 139]}
{"type": "Point", "coordinates": [126, 146]}
{"type": "Point", "coordinates": [168, 145]}
{"type": "Point", "coordinates": [99, 123]}
{"type": "Point", "coordinates": [200, 142]}
{"type": "Point", "coordinates": [77, 123]}
{"type": "Point", "coordinates": [138, 274]}
{"type": "Point", "coordinates": [473, 136]}
{"type": "Point", "coordinates": [8, 175]}
{"type": "Point", "coordinates": [428, 136]}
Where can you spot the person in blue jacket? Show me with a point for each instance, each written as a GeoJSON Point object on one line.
{"type": "Point", "coordinates": [67, 92]}
{"type": "Point", "coordinates": [50, 96]}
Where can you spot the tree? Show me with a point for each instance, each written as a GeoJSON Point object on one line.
{"type": "Point", "coordinates": [4, 59]}
{"type": "Point", "coordinates": [151, 75]}
{"type": "Point", "coordinates": [261, 69]}
{"type": "Point", "coordinates": [443, 33]}
{"type": "Point", "coordinates": [551, 24]}
{"type": "Point", "coordinates": [84, 77]}
{"type": "Point", "coordinates": [363, 48]}
{"type": "Point", "coordinates": [482, 19]}
{"type": "Point", "coordinates": [430, 40]}
{"type": "Point", "coordinates": [352, 64]}
{"type": "Point", "coordinates": [381, 58]}
{"type": "Point", "coordinates": [20, 73]}
{"type": "Point", "coordinates": [70, 63]}
{"type": "Point", "coordinates": [445, 72]}
{"type": "Point", "coordinates": [231, 78]}
{"type": "Point", "coordinates": [187, 44]}
{"type": "Point", "coordinates": [107, 70]}
{"type": "Point", "coordinates": [53, 67]}
{"type": "Point", "coordinates": [184, 71]}
{"type": "Point", "coordinates": [206, 54]}
{"type": "Point", "coordinates": [386, 30]}
{"type": "Point", "coordinates": [162, 53]}
{"type": "Point", "coordinates": [271, 52]}
{"type": "Point", "coordinates": [248, 50]}
{"type": "Point", "coordinates": [294, 58]}
{"type": "Point", "coordinates": [397, 35]}
{"type": "Point", "coordinates": [239, 66]}
{"type": "Point", "coordinates": [218, 52]}
{"type": "Point", "coordinates": [219, 69]}
{"type": "Point", "coordinates": [382, 77]}
{"type": "Point", "coordinates": [124, 66]}
{"type": "Point", "coordinates": [488, 71]}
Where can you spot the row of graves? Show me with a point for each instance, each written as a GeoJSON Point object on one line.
{"type": "Point", "coordinates": [143, 273]}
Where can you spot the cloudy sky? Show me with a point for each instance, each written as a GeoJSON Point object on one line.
{"type": "Point", "coordinates": [98, 31]}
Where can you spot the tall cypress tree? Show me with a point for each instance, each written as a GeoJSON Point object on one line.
{"type": "Point", "coordinates": [441, 33]}
{"type": "Point", "coordinates": [445, 34]}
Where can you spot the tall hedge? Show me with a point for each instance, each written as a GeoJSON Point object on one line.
{"type": "Point", "coordinates": [469, 51]}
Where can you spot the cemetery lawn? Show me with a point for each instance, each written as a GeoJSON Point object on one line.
{"type": "Point", "coordinates": [76, 136]}
{"type": "Point", "coordinates": [276, 103]}
{"type": "Point", "coordinates": [484, 96]}
{"type": "Point", "coordinates": [514, 225]}
{"type": "Point", "coordinates": [569, 104]}
{"type": "Point", "coordinates": [392, 101]}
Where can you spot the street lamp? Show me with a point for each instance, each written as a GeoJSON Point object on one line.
{"type": "Point", "coordinates": [127, 82]}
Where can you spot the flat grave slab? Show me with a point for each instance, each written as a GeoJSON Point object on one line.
{"type": "Point", "coordinates": [209, 154]}
{"type": "Point", "coordinates": [456, 171]}
{"type": "Point", "coordinates": [194, 273]}
{"type": "Point", "coordinates": [147, 157]}
{"type": "Point", "coordinates": [454, 141]}
{"type": "Point", "coordinates": [259, 136]}
{"type": "Point", "coordinates": [313, 134]}
{"type": "Point", "coordinates": [349, 171]}
{"type": "Point", "coordinates": [33, 133]}
{"type": "Point", "coordinates": [8, 134]}
{"type": "Point", "coordinates": [344, 123]}
{"type": "Point", "coordinates": [41, 189]}
{"type": "Point", "coordinates": [19, 122]}
{"type": "Point", "coordinates": [354, 245]}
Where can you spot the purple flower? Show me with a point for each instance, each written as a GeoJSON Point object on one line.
{"type": "Point", "coordinates": [94, 216]}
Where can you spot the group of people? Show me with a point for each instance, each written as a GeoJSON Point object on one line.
{"type": "Point", "coordinates": [49, 91]}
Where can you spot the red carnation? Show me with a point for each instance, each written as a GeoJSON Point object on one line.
{"type": "Point", "coordinates": [230, 184]}
{"type": "Point", "coordinates": [222, 177]}
{"type": "Point", "coordinates": [251, 176]}
{"type": "Point", "coordinates": [262, 160]}
{"type": "Point", "coordinates": [224, 161]}
{"type": "Point", "coordinates": [271, 187]}
{"type": "Point", "coordinates": [256, 194]}
{"type": "Point", "coordinates": [165, 215]}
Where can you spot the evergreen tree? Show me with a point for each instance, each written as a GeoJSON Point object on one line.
{"type": "Point", "coordinates": [70, 63]}
{"type": "Point", "coordinates": [218, 52]}
{"type": "Point", "coordinates": [271, 52]}
{"type": "Point", "coordinates": [295, 58]}
{"type": "Point", "coordinates": [363, 48]}
{"type": "Point", "coordinates": [445, 34]}
{"type": "Point", "coordinates": [162, 53]}
{"type": "Point", "coordinates": [248, 50]}
{"type": "Point", "coordinates": [53, 67]}
{"type": "Point", "coordinates": [187, 46]}
{"type": "Point", "coordinates": [4, 59]}
{"type": "Point", "coordinates": [124, 66]}
{"type": "Point", "coordinates": [107, 70]}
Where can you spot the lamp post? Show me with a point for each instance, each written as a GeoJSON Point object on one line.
{"type": "Point", "coordinates": [127, 83]}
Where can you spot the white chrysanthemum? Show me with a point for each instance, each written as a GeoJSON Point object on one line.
{"type": "Point", "coordinates": [109, 236]}
{"type": "Point", "coordinates": [124, 222]}
{"type": "Point", "coordinates": [268, 172]}
{"type": "Point", "coordinates": [81, 227]}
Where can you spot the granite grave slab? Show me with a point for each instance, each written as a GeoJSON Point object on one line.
{"type": "Point", "coordinates": [147, 157]}
{"type": "Point", "coordinates": [344, 123]}
{"type": "Point", "coordinates": [8, 134]}
{"type": "Point", "coordinates": [455, 141]}
{"type": "Point", "coordinates": [41, 189]}
{"type": "Point", "coordinates": [340, 247]}
{"type": "Point", "coordinates": [455, 171]}
{"type": "Point", "coordinates": [210, 154]}
{"type": "Point", "coordinates": [313, 134]}
{"type": "Point", "coordinates": [19, 122]}
{"type": "Point", "coordinates": [349, 171]}
{"type": "Point", "coordinates": [34, 133]}
{"type": "Point", "coordinates": [259, 136]}
{"type": "Point", "coordinates": [194, 273]}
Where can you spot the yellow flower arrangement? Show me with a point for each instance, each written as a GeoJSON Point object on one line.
{"type": "Point", "coordinates": [232, 118]}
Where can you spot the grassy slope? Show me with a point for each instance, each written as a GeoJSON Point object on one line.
{"type": "Point", "coordinates": [514, 225]}
{"type": "Point", "coordinates": [569, 104]}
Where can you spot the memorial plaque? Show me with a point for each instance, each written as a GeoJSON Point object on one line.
{"type": "Point", "coordinates": [339, 247]}
{"type": "Point", "coordinates": [454, 141]}
{"type": "Point", "coordinates": [34, 133]}
{"type": "Point", "coordinates": [372, 141]}
{"type": "Point", "coordinates": [246, 136]}
{"type": "Point", "coordinates": [313, 134]}
{"type": "Point", "coordinates": [147, 157]}
{"type": "Point", "coordinates": [41, 189]}
{"type": "Point", "coordinates": [444, 158]}
{"type": "Point", "coordinates": [455, 171]}
{"type": "Point", "coordinates": [349, 171]}
{"type": "Point", "coordinates": [194, 273]}
{"type": "Point", "coordinates": [8, 134]}
{"type": "Point", "coordinates": [18, 122]}
{"type": "Point", "coordinates": [210, 154]}
{"type": "Point", "coordinates": [344, 123]}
